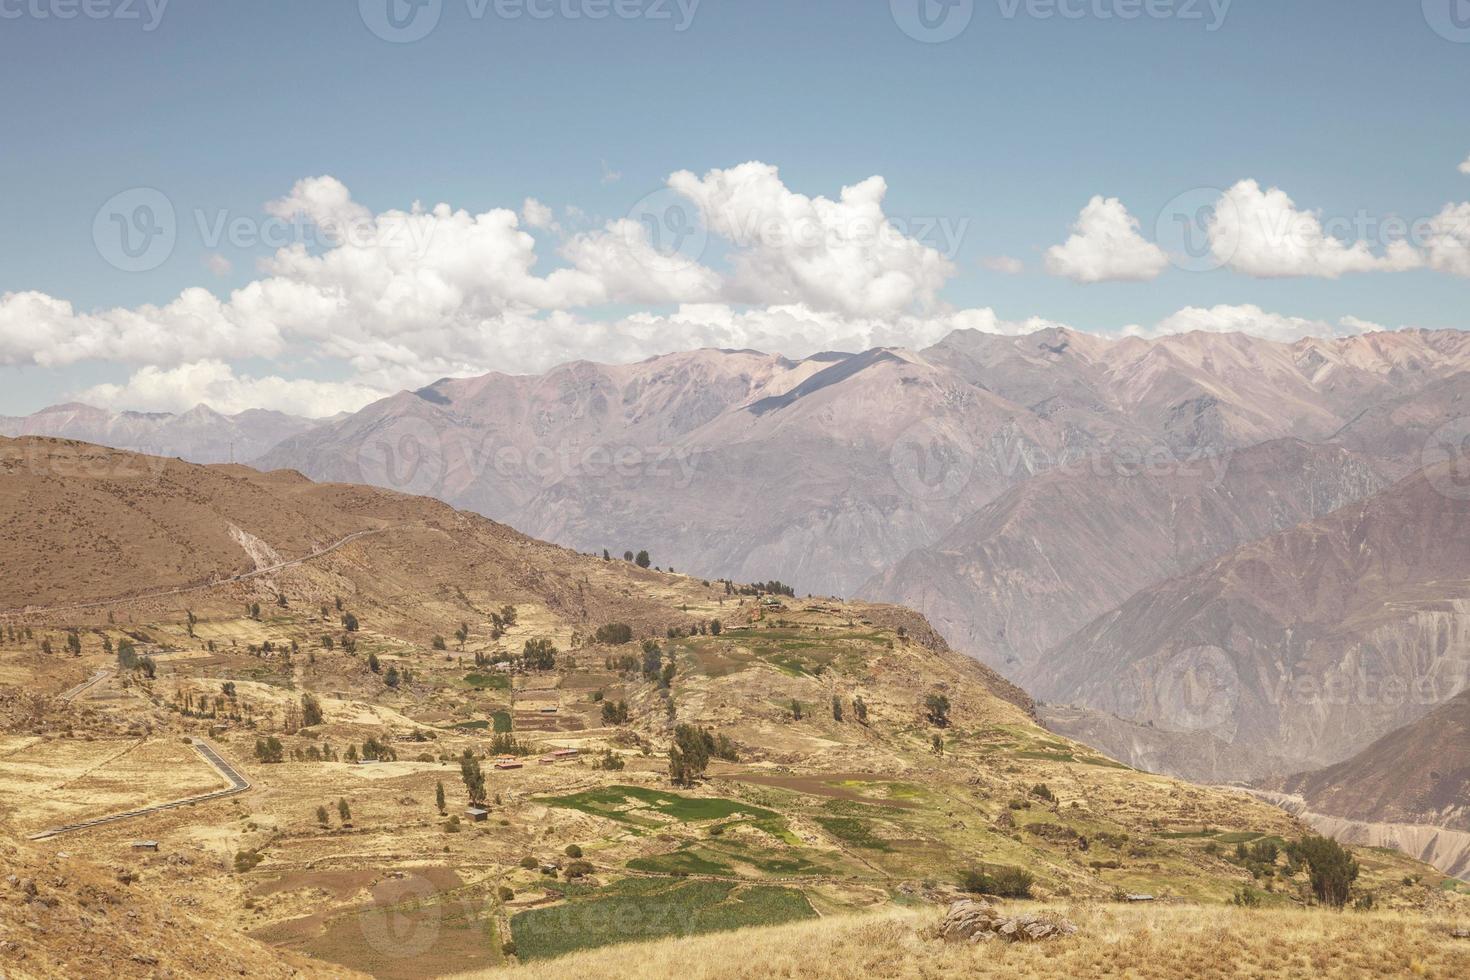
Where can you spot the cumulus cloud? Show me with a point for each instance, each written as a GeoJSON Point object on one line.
{"type": "Point", "coordinates": [1262, 233]}
{"type": "Point", "coordinates": [215, 384]}
{"type": "Point", "coordinates": [1249, 319]}
{"type": "Point", "coordinates": [1447, 240]}
{"type": "Point", "coordinates": [538, 215]}
{"type": "Point", "coordinates": [1465, 167]}
{"type": "Point", "coordinates": [1004, 264]}
{"type": "Point", "coordinates": [844, 255]}
{"type": "Point", "coordinates": [1106, 246]}
{"type": "Point", "coordinates": [218, 264]}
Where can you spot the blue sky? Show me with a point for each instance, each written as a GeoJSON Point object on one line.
{"type": "Point", "coordinates": [1005, 131]}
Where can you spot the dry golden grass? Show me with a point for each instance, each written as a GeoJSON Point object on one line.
{"type": "Point", "coordinates": [1164, 942]}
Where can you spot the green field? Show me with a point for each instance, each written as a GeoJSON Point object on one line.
{"type": "Point", "coordinates": [488, 682]}
{"type": "Point", "coordinates": [642, 807]}
{"type": "Point", "coordinates": [640, 910]}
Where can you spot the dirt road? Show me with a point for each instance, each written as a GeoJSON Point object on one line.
{"type": "Point", "coordinates": [238, 784]}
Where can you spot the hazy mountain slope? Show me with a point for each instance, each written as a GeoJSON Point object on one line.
{"type": "Point", "coordinates": [200, 435]}
{"type": "Point", "coordinates": [826, 471]}
{"type": "Point", "coordinates": [1308, 644]}
{"type": "Point", "coordinates": [1416, 774]}
{"type": "Point", "coordinates": [1026, 570]}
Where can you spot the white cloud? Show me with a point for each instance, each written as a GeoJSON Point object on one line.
{"type": "Point", "coordinates": [218, 264]}
{"type": "Point", "coordinates": [1004, 264]}
{"type": "Point", "coordinates": [622, 258]}
{"type": "Point", "coordinates": [1465, 167]}
{"type": "Point", "coordinates": [1261, 233]}
{"type": "Point", "coordinates": [1248, 319]}
{"type": "Point", "coordinates": [609, 175]}
{"type": "Point", "coordinates": [1447, 241]}
{"type": "Point", "coordinates": [1106, 246]}
{"type": "Point", "coordinates": [538, 215]}
{"type": "Point", "coordinates": [843, 255]}
{"type": "Point", "coordinates": [215, 384]}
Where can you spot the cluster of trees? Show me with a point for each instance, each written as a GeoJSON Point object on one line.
{"type": "Point", "coordinates": [539, 654]}
{"type": "Point", "coordinates": [692, 749]}
{"type": "Point", "coordinates": [269, 749]}
{"type": "Point", "coordinates": [15, 635]}
{"type": "Point", "coordinates": [1001, 881]}
{"type": "Point", "coordinates": [859, 709]}
{"type": "Point", "coordinates": [615, 713]}
{"type": "Point", "coordinates": [936, 709]}
{"type": "Point", "coordinates": [614, 634]}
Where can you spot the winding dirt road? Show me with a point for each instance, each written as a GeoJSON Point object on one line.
{"type": "Point", "coordinates": [238, 784]}
{"type": "Point", "coordinates": [185, 589]}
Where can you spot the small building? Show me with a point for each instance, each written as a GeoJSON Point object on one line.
{"type": "Point", "coordinates": [476, 813]}
{"type": "Point", "coordinates": [565, 754]}
{"type": "Point", "coordinates": [145, 845]}
{"type": "Point", "coordinates": [549, 709]}
{"type": "Point", "coordinates": [508, 762]}
{"type": "Point", "coordinates": [367, 762]}
{"type": "Point", "coordinates": [1139, 898]}
{"type": "Point", "coordinates": [546, 760]}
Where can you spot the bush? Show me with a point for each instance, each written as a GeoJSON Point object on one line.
{"type": "Point", "coordinates": [573, 851]}
{"type": "Point", "coordinates": [614, 634]}
{"type": "Point", "coordinates": [246, 860]}
{"type": "Point", "coordinates": [1001, 881]}
{"type": "Point", "coordinates": [578, 869]}
{"type": "Point", "coordinates": [506, 893]}
{"type": "Point", "coordinates": [452, 824]}
{"type": "Point", "coordinates": [1247, 898]}
{"type": "Point", "coordinates": [530, 863]}
{"type": "Point", "coordinates": [1043, 792]}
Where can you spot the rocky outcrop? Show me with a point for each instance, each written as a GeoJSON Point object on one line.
{"type": "Point", "coordinates": [970, 921]}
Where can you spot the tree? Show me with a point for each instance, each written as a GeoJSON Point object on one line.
{"type": "Point", "coordinates": [462, 634]}
{"type": "Point", "coordinates": [689, 755]}
{"type": "Point", "coordinates": [349, 622]}
{"type": "Point", "coordinates": [321, 815]}
{"type": "Point", "coordinates": [327, 642]}
{"type": "Point", "coordinates": [715, 627]}
{"type": "Point", "coordinates": [605, 555]}
{"type": "Point", "coordinates": [281, 600]}
{"type": "Point", "coordinates": [438, 643]}
{"type": "Point", "coordinates": [228, 689]}
{"type": "Point", "coordinates": [836, 708]}
{"type": "Point", "coordinates": [642, 561]}
{"type": "Point", "coordinates": [269, 749]}
{"type": "Point", "coordinates": [127, 654]}
{"type": "Point", "coordinates": [1332, 867]}
{"type": "Point", "coordinates": [311, 710]}
{"type": "Point", "coordinates": [936, 744]}
{"type": "Point", "coordinates": [46, 646]}
{"type": "Point", "coordinates": [373, 663]}
{"type": "Point", "coordinates": [474, 779]}
{"type": "Point", "coordinates": [391, 678]}
{"type": "Point", "coordinates": [795, 710]}
{"type": "Point", "coordinates": [439, 796]}
{"type": "Point", "coordinates": [344, 811]}
{"type": "Point", "coordinates": [627, 556]}
{"type": "Point", "coordinates": [74, 643]}
{"type": "Point", "coordinates": [508, 614]}
{"type": "Point", "coordinates": [614, 713]}
{"type": "Point", "coordinates": [860, 709]}
{"type": "Point", "coordinates": [937, 707]}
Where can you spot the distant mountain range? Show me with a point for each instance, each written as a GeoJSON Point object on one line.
{"type": "Point", "coordinates": [200, 435]}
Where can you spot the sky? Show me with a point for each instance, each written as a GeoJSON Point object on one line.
{"type": "Point", "coordinates": [305, 205]}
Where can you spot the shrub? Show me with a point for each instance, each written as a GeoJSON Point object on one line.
{"type": "Point", "coordinates": [1247, 898]}
{"type": "Point", "coordinates": [614, 634]}
{"type": "Point", "coordinates": [573, 851]}
{"type": "Point", "coordinates": [1043, 792]}
{"type": "Point", "coordinates": [530, 863]}
{"type": "Point", "coordinates": [1002, 881]}
{"type": "Point", "coordinates": [247, 860]}
{"type": "Point", "coordinates": [578, 869]}
{"type": "Point", "coordinates": [452, 824]}
{"type": "Point", "coordinates": [506, 893]}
